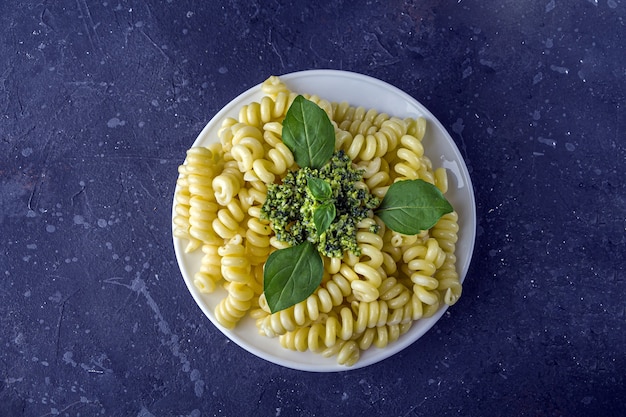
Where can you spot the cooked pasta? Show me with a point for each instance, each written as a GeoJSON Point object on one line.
{"type": "Point", "coordinates": [364, 301]}
{"type": "Point", "coordinates": [236, 304]}
{"type": "Point", "coordinates": [210, 273]}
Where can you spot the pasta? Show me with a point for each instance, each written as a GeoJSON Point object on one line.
{"type": "Point", "coordinates": [364, 301]}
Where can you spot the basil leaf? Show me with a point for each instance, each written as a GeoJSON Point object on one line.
{"type": "Point", "coordinates": [319, 188]}
{"type": "Point", "coordinates": [411, 206]}
{"type": "Point", "coordinates": [308, 133]}
{"type": "Point", "coordinates": [323, 216]}
{"type": "Point", "coordinates": [291, 275]}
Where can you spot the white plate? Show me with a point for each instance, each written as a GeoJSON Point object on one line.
{"type": "Point", "coordinates": [359, 90]}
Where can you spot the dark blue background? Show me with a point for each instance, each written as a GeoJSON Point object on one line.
{"type": "Point", "coordinates": [100, 100]}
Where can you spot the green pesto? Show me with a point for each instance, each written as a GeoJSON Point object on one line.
{"type": "Point", "coordinates": [290, 207]}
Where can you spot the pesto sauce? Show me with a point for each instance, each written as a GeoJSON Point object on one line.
{"type": "Point", "coordinates": [290, 207]}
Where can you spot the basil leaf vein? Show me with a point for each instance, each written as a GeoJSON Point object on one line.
{"type": "Point", "coordinates": [308, 133]}
{"type": "Point", "coordinates": [411, 206]}
{"type": "Point", "coordinates": [291, 275]}
{"type": "Point", "coordinates": [320, 189]}
{"type": "Point", "coordinates": [323, 216]}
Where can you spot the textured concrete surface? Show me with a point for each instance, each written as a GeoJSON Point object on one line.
{"type": "Point", "coordinates": [100, 100]}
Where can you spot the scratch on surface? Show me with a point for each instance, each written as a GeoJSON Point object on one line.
{"type": "Point", "coordinates": [77, 193]}
{"type": "Point", "coordinates": [58, 330]}
{"type": "Point", "coordinates": [31, 198]}
{"type": "Point", "coordinates": [312, 49]}
{"type": "Point", "coordinates": [154, 44]}
{"type": "Point", "coordinates": [155, 238]}
{"type": "Point", "coordinates": [413, 408]}
{"type": "Point", "coordinates": [282, 64]}
{"type": "Point", "coordinates": [18, 98]}
{"type": "Point", "coordinates": [124, 190]}
{"type": "Point", "coordinates": [46, 19]}
{"type": "Point", "coordinates": [148, 8]}
{"type": "Point", "coordinates": [154, 181]}
{"type": "Point", "coordinates": [42, 174]}
{"type": "Point", "coordinates": [171, 340]}
{"type": "Point", "coordinates": [383, 57]}
{"type": "Point", "coordinates": [3, 79]}
{"type": "Point", "coordinates": [90, 27]}
{"type": "Point", "coordinates": [84, 401]}
{"type": "Point", "coordinates": [377, 39]}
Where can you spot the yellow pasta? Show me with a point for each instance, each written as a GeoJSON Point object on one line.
{"type": "Point", "coordinates": [210, 272]}
{"type": "Point", "coordinates": [235, 266]}
{"type": "Point", "coordinates": [364, 301]}
{"type": "Point", "coordinates": [232, 308]}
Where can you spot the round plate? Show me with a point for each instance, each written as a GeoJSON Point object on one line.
{"type": "Point", "coordinates": [358, 90]}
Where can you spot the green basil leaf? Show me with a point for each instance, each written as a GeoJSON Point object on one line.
{"type": "Point", "coordinates": [308, 133]}
{"type": "Point", "coordinates": [319, 188]}
{"type": "Point", "coordinates": [323, 216]}
{"type": "Point", "coordinates": [291, 275]}
{"type": "Point", "coordinates": [411, 206]}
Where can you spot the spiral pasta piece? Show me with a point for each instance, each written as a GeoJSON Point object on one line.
{"type": "Point", "coordinates": [338, 326]}
{"type": "Point", "coordinates": [366, 141]}
{"type": "Point", "coordinates": [441, 179]}
{"type": "Point", "coordinates": [344, 112]}
{"type": "Point", "coordinates": [257, 240]}
{"type": "Point", "coordinates": [381, 336]}
{"type": "Point", "coordinates": [376, 176]}
{"type": "Point", "coordinates": [296, 340]}
{"type": "Point", "coordinates": [199, 168]}
{"type": "Point", "coordinates": [449, 282]}
{"type": "Point", "coordinates": [236, 304]}
{"type": "Point", "coordinates": [277, 108]}
{"type": "Point", "coordinates": [392, 129]}
{"type": "Point", "coordinates": [251, 196]}
{"type": "Point", "coordinates": [250, 114]}
{"type": "Point", "coordinates": [210, 272]}
{"type": "Point", "coordinates": [347, 352]}
{"type": "Point", "coordinates": [246, 152]}
{"type": "Point", "coordinates": [235, 266]}
{"type": "Point", "coordinates": [278, 323]}
{"type": "Point", "coordinates": [181, 216]}
{"type": "Point", "coordinates": [227, 184]}
{"type": "Point", "coordinates": [227, 223]}
{"type": "Point", "coordinates": [413, 310]}
{"type": "Point", "coordinates": [410, 153]}
{"type": "Point", "coordinates": [240, 131]}
{"type": "Point", "coordinates": [362, 127]}
{"type": "Point", "coordinates": [416, 127]}
{"type": "Point", "coordinates": [273, 86]}
{"type": "Point", "coordinates": [368, 267]}
{"type": "Point", "coordinates": [256, 283]}
{"type": "Point", "coordinates": [369, 314]}
{"type": "Point", "coordinates": [446, 231]}
{"type": "Point", "coordinates": [268, 109]}
{"type": "Point", "coordinates": [281, 158]}
{"type": "Point", "coordinates": [394, 293]}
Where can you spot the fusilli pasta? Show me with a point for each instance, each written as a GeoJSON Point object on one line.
{"type": "Point", "coordinates": [366, 300]}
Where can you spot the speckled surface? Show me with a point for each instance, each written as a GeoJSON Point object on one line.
{"type": "Point", "coordinates": [100, 100]}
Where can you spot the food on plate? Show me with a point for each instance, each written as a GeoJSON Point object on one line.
{"type": "Point", "coordinates": [357, 206]}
